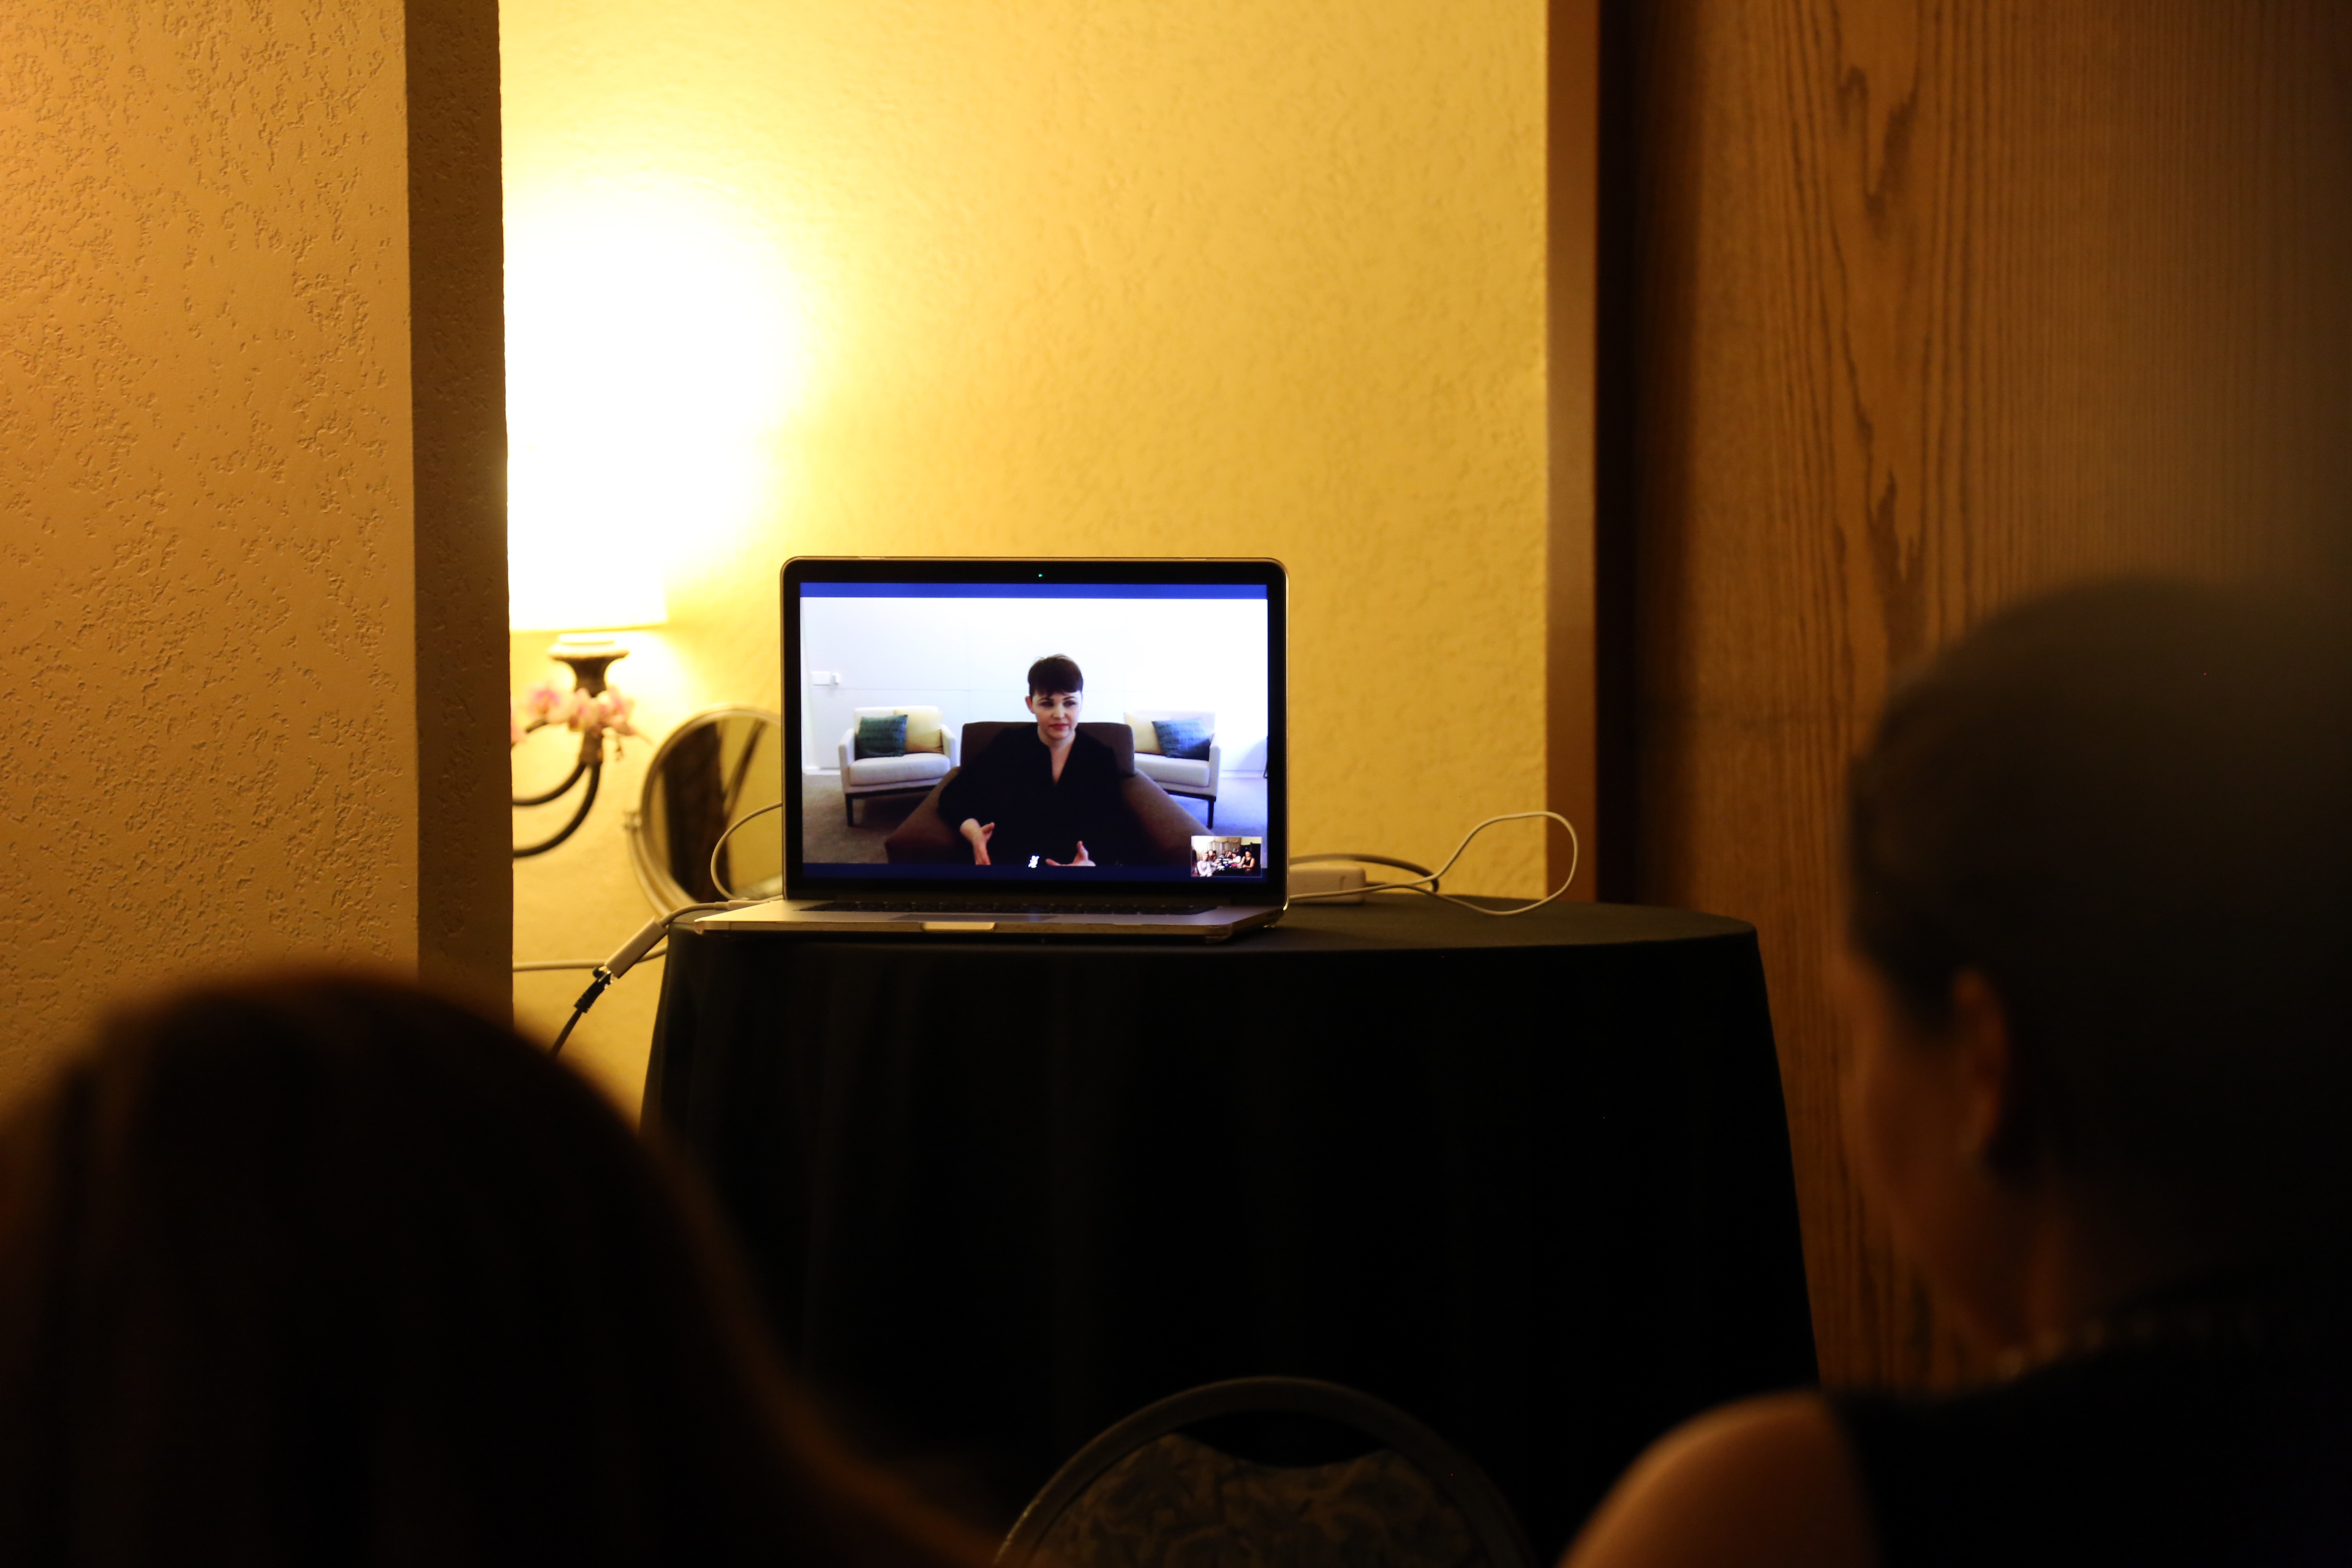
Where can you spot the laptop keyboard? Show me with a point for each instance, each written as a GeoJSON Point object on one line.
{"type": "Point", "coordinates": [999, 907]}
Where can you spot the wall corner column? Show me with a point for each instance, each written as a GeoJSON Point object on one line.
{"type": "Point", "coordinates": [457, 254]}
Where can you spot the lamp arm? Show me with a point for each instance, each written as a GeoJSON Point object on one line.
{"type": "Point", "coordinates": [572, 778]}
{"type": "Point", "coordinates": [595, 771]}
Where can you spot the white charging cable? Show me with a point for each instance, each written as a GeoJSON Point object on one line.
{"type": "Point", "coordinates": [724, 892]}
{"type": "Point", "coordinates": [552, 966]}
{"type": "Point", "coordinates": [1427, 882]}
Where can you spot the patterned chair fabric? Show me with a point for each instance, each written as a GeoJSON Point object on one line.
{"type": "Point", "coordinates": [1176, 1502]}
{"type": "Point", "coordinates": [1166, 1488]}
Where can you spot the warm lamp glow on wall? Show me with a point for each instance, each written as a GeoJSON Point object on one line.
{"type": "Point", "coordinates": [654, 348]}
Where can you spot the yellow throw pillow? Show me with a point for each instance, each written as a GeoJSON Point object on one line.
{"type": "Point", "coordinates": [924, 731]}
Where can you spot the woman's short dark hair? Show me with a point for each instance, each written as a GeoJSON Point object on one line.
{"type": "Point", "coordinates": [1055, 672]}
{"type": "Point", "coordinates": [2126, 805]}
{"type": "Point", "coordinates": [322, 1268]}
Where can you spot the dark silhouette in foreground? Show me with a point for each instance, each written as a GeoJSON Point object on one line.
{"type": "Point", "coordinates": [319, 1268]}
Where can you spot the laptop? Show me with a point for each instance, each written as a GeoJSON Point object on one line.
{"type": "Point", "coordinates": [1039, 748]}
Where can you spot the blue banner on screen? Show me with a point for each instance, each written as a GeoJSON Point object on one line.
{"type": "Point", "coordinates": [1046, 734]}
{"type": "Point", "coordinates": [1033, 591]}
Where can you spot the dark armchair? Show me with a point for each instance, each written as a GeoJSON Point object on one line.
{"type": "Point", "coordinates": [1162, 829]}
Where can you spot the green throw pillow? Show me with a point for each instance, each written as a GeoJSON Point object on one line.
{"type": "Point", "coordinates": [885, 737]}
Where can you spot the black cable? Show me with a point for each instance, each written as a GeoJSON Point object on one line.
{"type": "Point", "coordinates": [654, 935]}
{"type": "Point", "coordinates": [565, 1033]}
{"type": "Point", "coordinates": [580, 1009]}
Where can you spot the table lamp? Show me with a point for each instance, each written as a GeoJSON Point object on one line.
{"type": "Point", "coordinates": [577, 589]}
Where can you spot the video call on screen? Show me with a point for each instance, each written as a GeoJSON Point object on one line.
{"type": "Point", "coordinates": [925, 755]}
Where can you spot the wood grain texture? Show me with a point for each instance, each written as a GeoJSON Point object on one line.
{"type": "Point", "coordinates": [1571, 175]}
{"type": "Point", "coordinates": [1909, 309]}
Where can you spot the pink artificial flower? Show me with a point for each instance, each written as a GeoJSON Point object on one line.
{"type": "Point", "coordinates": [606, 714]}
{"type": "Point", "coordinates": [545, 703]}
{"type": "Point", "coordinates": [618, 706]}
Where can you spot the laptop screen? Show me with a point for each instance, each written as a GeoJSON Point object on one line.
{"type": "Point", "coordinates": [1045, 724]}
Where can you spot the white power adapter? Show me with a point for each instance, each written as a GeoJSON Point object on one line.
{"type": "Point", "coordinates": [1332, 884]}
{"type": "Point", "coordinates": [1317, 879]}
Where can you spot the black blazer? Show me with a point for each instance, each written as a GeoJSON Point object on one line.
{"type": "Point", "coordinates": [1011, 785]}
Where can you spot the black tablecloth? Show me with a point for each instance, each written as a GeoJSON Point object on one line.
{"type": "Point", "coordinates": [1527, 1178]}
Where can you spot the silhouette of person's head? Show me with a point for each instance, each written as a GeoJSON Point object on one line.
{"type": "Point", "coordinates": [322, 1268]}
{"type": "Point", "coordinates": [2117, 822]}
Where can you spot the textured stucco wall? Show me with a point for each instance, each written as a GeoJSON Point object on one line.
{"type": "Point", "coordinates": [205, 577]}
{"type": "Point", "coordinates": [1066, 277]}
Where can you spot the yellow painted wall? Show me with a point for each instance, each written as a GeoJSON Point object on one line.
{"type": "Point", "coordinates": [207, 634]}
{"type": "Point", "coordinates": [1068, 276]}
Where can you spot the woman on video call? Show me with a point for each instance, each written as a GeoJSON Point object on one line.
{"type": "Point", "coordinates": [1046, 793]}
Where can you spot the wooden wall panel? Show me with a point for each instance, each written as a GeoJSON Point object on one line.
{"type": "Point", "coordinates": [1910, 307]}
{"type": "Point", "coordinates": [1571, 177]}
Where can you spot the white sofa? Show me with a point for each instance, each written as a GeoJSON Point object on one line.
{"type": "Point", "coordinates": [1178, 775]}
{"type": "Point", "coordinates": [930, 753]}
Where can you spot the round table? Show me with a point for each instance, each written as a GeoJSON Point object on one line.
{"type": "Point", "coordinates": [1528, 1178]}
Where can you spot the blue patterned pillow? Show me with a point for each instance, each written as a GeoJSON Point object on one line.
{"type": "Point", "coordinates": [885, 737]}
{"type": "Point", "coordinates": [1185, 737]}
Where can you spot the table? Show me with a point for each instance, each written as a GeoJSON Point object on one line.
{"type": "Point", "coordinates": [1528, 1178]}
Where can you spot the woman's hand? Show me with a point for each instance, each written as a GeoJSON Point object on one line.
{"type": "Point", "coordinates": [977, 832]}
{"type": "Point", "coordinates": [1083, 859]}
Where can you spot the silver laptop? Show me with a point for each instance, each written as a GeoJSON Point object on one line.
{"type": "Point", "coordinates": [1039, 748]}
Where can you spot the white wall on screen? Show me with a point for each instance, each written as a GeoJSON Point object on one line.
{"type": "Point", "coordinates": [971, 659]}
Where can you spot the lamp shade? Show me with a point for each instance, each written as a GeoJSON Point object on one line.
{"type": "Point", "coordinates": [582, 593]}
{"type": "Point", "coordinates": [582, 549]}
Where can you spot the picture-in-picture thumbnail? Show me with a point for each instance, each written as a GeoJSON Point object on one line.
{"type": "Point", "coordinates": [1228, 856]}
